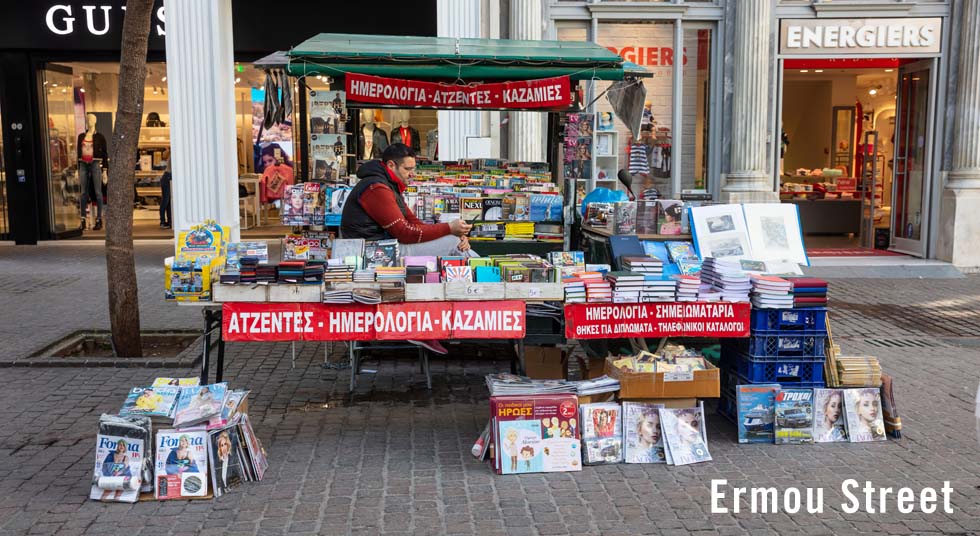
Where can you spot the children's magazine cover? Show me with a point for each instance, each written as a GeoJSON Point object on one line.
{"type": "Point", "coordinates": [224, 454]}
{"type": "Point", "coordinates": [199, 403]}
{"type": "Point", "coordinates": [864, 418]}
{"type": "Point", "coordinates": [829, 422]}
{"type": "Point", "coordinates": [602, 433]}
{"type": "Point", "coordinates": [756, 412]}
{"type": "Point", "coordinates": [642, 433]}
{"type": "Point", "coordinates": [684, 435]}
{"type": "Point", "coordinates": [536, 433]}
{"type": "Point", "coordinates": [181, 464]}
{"type": "Point", "coordinates": [794, 416]}
{"type": "Point", "coordinates": [117, 469]}
{"type": "Point", "coordinates": [151, 401]}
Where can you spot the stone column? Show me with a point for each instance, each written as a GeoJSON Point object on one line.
{"type": "Point", "coordinates": [458, 18]}
{"type": "Point", "coordinates": [959, 232]}
{"type": "Point", "coordinates": [201, 79]}
{"type": "Point", "coordinates": [527, 130]}
{"type": "Point", "coordinates": [749, 179]}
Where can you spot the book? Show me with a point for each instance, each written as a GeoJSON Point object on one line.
{"type": "Point", "coordinates": [256, 456]}
{"type": "Point", "coordinates": [198, 403]}
{"type": "Point", "coordinates": [151, 401]}
{"type": "Point", "coordinates": [829, 423]}
{"type": "Point", "coordinates": [224, 457]}
{"type": "Point", "coordinates": [181, 469]}
{"type": "Point", "coordinates": [684, 435]}
{"type": "Point", "coordinates": [381, 253]}
{"type": "Point", "coordinates": [120, 458]}
{"type": "Point", "coordinates": [536, 433]}
{"type": "Point", "coordinates": [180, 382]}
{"type": "Point", "coordinates": [794, 416]}
{"type": "Point", "coordinates": [669, 214]}
{"type": "Point", "coordinates": [756, 405]}
{"type": "Point", "coordinates": [602, 433]}
{"type": "Point", "coordinates": [624, 218]}
{"type": "Point", "coordinates": [642, 433]}
{"type": "Point", "coordinates": [681, 250]}
{"type": "Point", "coordinates": [862, 408]}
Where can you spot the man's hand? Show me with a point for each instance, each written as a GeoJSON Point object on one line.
{"type": "Point", "coordinates": [459, 227]}
{"type": "Point", "coordinates": [464, 243]}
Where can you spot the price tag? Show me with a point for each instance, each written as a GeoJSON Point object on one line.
{"type": "Point", "coordinates": [679, 376]}
{"type": "Point", "coordinates": [474, 290]}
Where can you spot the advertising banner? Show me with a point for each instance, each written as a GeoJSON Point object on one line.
{"type": "Point", "coordinates": [668, 319]}
{"type": "Point", "coordinates": [547, 93]}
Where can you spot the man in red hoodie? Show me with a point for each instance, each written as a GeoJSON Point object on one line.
{"type": "Point", "coordinates": [376, 210]}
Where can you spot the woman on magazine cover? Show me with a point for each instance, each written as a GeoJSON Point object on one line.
{"type": "Point", "coordinates": [203, 401]}
{"type": "Point", "coordinates": [180, 459]}
{"type": "Point", "coordinates": [867, 409]}
{"type": "Point", "coordinates": [224, 458]}
{"type": "Point", "coordinates": [148, 400]}
{"type": "Point", "coordinates": [689, 432]}
{"type": "Point", "coordinates": [648, 435]}
{"type": "Point", "coordinates": [831, 427]}
{"type": "Point", "coordinates": [116, 463]}
{"type": "Point", "coordinates": [294, 206]}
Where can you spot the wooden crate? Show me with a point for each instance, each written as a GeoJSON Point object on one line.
{"type": "Point", "coordinates": [475, 291]}
{"type": "Point", "coordinates": [296, 293]}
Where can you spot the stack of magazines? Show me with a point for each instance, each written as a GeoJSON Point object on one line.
{"type": "Point", "coordinates": [511, 384]}
{"type": "Point", "coordinates": [596, 386]}
{"type": "Point", "coordinates": [727, 278]}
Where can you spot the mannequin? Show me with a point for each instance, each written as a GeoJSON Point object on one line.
{"type": "Point", "coordinates": [93, 158]}
{"type": "Point", "coordinates": [371, 139]}
{"type": "Point", "coordinates": [405, 133]}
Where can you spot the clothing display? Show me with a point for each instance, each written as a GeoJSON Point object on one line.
{"type": "Point", "coordinates": [432, 144]}
{"type": "Point", "coordinates": [409, 136]}
{"type": "Point", "coordinates": [100, 149]}
{"type": "Point", "coordinates": [274, 181]}
{"type": "Point", "coordinates": [639, 159]}
{"type": "Point", "coordinates": [373, 147]}
{"type": "Point", "coordinates": [59, 154]}
{"type": "Point", "coordinates": [90, 180]}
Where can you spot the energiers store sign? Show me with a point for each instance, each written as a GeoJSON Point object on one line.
{"type": "Point", "coordinates": [852, 37]}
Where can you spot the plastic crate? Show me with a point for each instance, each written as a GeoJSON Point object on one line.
{"type": "Point", "coordinates": [728, 408]}
{"type": "Point", "coordinates": [780, 370]}
{"type": "Point", "coordinates": [809, 319]}
{"type": "Point", "coordinates": [787, 343]}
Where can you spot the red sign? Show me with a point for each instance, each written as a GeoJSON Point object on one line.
{"type": "Point", "coordinates": [544, 93]}
{"type": "Point", "coordinates": [668, 319]}
{"type": "Point", "coordinates": [846, 184]}
{"type": "Point", "coordinates": [386, 321]}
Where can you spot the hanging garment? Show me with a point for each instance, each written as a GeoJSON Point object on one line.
{"type": "Point", "coordinates": [409, 136]}
{"type": "Point", "coordinates": [639, 163]}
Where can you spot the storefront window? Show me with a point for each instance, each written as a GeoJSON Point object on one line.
{"type": "Point", "coordinates": [58, 116]}
{"type": "Point", "coordinates": [695, 110]}
{"type": "Point", "coordinates": [4, 226]}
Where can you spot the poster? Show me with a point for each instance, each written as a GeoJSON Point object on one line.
{"type": "Point", "coordinates": [328, 137]}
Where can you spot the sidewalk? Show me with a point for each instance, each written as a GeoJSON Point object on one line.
{"type": "Point", "coordinates": [394, 458]}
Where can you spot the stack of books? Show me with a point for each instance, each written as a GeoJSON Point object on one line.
{"type": "Point", "coordinates": [809, 292]}
{"type": "Point", "coordinates": [574, 288]}
{"type": "Point", "coordinates": [230, 276]}
{"type": "Point", "coordinates": [248, 269]}
{"type": "Point", "coordinates": [266, 273]}
{"type": "Point", "coordinates": [597, 289]}
{"type": "Point", "coordinates": [627, 286]}
{"type": "Point", "coordinates": [519, 231]}
{"type": "Point", "coordinates": [292, 272]}
{"type": "Point", "coordinates": [687, 287]}
{"type": "Point", "coordinates": [727, 278]}
{"type": "Point", "coordinates": [364, 276]}
{"type": "Point", "coordinates": [334, 295]}
{"type": "Point", "coordinates": [859, 371]}
{"type": "Point", "coordinates": [368, 294]}
{"type": "Point", "coordinates": [390, 273]}
{"type": "Point", "coordinates": [645, 265]}
{"type": "Point", "coordinates": [771, 292]}
{"type": "Point", "coordinates": [337, 270]}
{"type": "Point", "coordinates": [658, 290]}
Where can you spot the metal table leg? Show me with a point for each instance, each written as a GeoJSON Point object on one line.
{"type": "Point", "coordinates": [352, 356]}
{"type": "Point", "coordinates": [292, 361]}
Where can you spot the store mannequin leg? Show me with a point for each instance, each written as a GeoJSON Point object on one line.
{"type": "Point", "coordinates": [96, 178]}
{"type": "Point", "coordinates": [83, 182]}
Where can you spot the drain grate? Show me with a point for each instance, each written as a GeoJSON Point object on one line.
{"type": "Point", "coordinates": [25, 285]}
{"type": "Point", "coordinates": [904, 343]}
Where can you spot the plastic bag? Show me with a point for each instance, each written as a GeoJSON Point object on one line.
{"type": "Point", "coordinates": [603, 195]}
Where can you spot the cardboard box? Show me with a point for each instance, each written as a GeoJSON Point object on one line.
{"type": "Point", "coordinates": [669, 403]}
{"type": "Point", "coordinates": [592, 367]}
{"type": "Point", "coordinates": [703, 384]}
{"type": "Point", "coordinates": [545, 363]}
{"type": "Point", "coordinates": [595, 399]}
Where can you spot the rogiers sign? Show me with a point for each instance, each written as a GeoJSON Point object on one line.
{"type": "Point", "coordinates": [852, 37]}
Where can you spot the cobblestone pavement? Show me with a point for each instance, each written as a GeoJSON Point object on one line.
{"type": "Point", "coordinates": [394, 457]}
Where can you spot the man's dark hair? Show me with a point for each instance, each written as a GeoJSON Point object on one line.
{"type": "Point", "coordinates": [397, 152]}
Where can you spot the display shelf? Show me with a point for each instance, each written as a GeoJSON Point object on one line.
{"type": "Point", "coordinates": [642, 236]}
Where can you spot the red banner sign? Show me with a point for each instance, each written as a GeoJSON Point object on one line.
{"type": "Point", "coordinates": [546, 93]}
{"type": "Point", "coordinates": [386, 321]}
{"type": "Point", "coordinates": [668, 319]}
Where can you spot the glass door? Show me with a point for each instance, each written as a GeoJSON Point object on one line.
{"type": "Point", "coordinates": [58, 123]}
{"type": "Point", "coordinates": [912, 158]}
{"type": "Point", "coordinates": [4, 226]}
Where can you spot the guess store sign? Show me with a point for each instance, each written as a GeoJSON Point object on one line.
{"type": "Point", "coordinates": [269, 322]}
{"type": "Point", "coordinates": [543, 93]}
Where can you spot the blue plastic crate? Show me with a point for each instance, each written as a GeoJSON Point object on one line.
{"type": "Point", "coordinates": [809, 319]}
{"type": "Point", "coordinates": [787, 343]}
{"type": "Point", "coordinates": [780, 370]}
{"type": "Point", "coordinates": [728, 408]}
{"type": "Point", "coordinates": [789, 384]}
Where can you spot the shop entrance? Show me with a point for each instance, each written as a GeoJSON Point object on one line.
{"type": "Point", "coordinates": [854, 154]}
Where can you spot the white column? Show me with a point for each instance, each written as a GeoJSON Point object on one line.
{"type": "Point", "coordinates": [959, 230]}
{"type": "Point", "coordinates": [201, 78]}
{"type": "Point", "coordinates": [527, 129]}
{"type": "Point", "coordinates": [749, 178]}
{"type": "Point", "coordinates": [458, 18]}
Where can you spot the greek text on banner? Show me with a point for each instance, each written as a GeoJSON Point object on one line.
{"type": "Point", "coordinates": [544, 93]}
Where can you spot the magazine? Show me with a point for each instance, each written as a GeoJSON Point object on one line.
{"type": "Point", "coordinates": [122, 467]}
{"type": "Point", "coordinates": [683, 431]}
{"type": "Point", "coordinates": [257, 460]}
{"type": "Point", "coordinates": [181, 464]}
{"type": "Point", "coordinates": [794, 416]}
{"type": "Point", "coordinates": [224, 455]}
{"type": "Point", "coordinates": [151, 401]}
{"type": "Point", "coordinates": [602, 433]}
{"type": "Point", "coordinates": [381, 253]}
{"type": "Point", "coordinates": [756, 412]}
{"type": "Point", "coordinates": [642, 433]}
{"type": "Point", "coordinates": [864, 417]}
{"type": "Point", "coordinates": [229, 410]}
{"type": "Point", "coordinates": [829, 423]}
{"type": "Point", "coordinates": [179, 382]}
{"type": "Point", "coordinates": [199, 403]}
{"type": "Point", "coordinates": [536, 433]}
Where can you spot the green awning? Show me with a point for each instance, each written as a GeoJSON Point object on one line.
{"type": "Point", "coordinates": [450, 58]}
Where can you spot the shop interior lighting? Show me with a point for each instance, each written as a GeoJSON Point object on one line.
{"type": "Point", "coordinates": [81, 89]}
{"type": "Point", "coordinates": [889, 70]}
{"type": "Point", "coordinates": [818, 70]}
{"type": "Point", "coordinates": [164, 79]}
{"type": "Point", "coordinates": [804, 70]}
{"type": "Point", "coordinates": [874, 90]}
{"type": "Point", "coordinates": [238, 79]}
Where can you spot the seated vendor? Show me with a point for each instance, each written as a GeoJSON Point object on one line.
{"type": "Point", "coordinates": [376, 210]}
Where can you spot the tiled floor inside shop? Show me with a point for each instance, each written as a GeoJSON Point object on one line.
{"type": "Point", "coordinates": [393, 458]}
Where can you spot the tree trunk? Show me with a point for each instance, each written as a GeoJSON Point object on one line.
{"type": "Point", "coordinates": [124, 311]}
